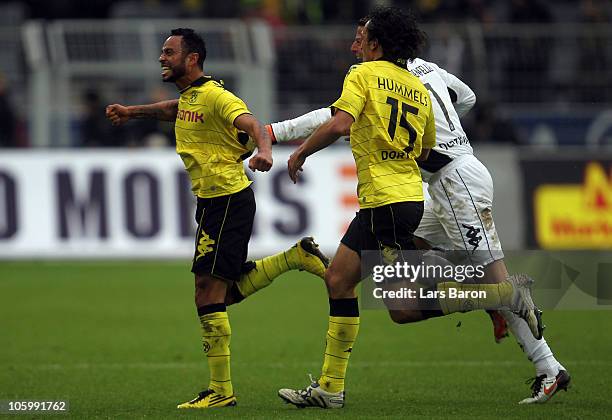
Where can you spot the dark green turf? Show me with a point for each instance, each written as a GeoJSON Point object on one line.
{"type": "Point", "coordinates": [121, 340]}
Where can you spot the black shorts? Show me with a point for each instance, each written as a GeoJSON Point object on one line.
{"type": "Point", "coordinates": [389, 226]}
{"type": "Point", "coordinates": [224, 228]}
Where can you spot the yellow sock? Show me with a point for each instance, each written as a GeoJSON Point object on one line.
{"type": "Point", "coordinates": [492, 296]}
{"type": "Point", "coordinates": [341, 336]}
{"type": "Point", "coordinates": [216, 335]}
{"type": "Point", "coordinates": [266, 270]}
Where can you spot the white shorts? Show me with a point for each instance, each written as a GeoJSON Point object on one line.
{"type": "Point", "coordinates": [458, 211]}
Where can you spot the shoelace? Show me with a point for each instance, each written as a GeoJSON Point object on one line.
{"type": "Point", "coordinates": [536, 384]}
{"type": "Point", "coordinates": [304, 393]}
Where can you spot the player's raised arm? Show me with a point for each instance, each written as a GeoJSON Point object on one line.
{"type": "Point", "coordinates": [262, 161]}
{"type": "Point", "coordinates": [300, 127]}
{"type": "Point", "coordinates": [339, 125]}
{"type": "Point", "coordinates": [164, 111]}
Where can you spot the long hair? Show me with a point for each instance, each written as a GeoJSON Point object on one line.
{"type": "Point", "coordinates": [397, 32]}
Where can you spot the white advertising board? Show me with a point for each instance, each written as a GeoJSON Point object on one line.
{"type": "Point", "coordinates": [137, 204]}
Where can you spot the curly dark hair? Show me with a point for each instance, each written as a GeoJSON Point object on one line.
{"type": "Point", "coordinates": [397, 32]}
{"type": "Point", "coordinates": [191, 43]}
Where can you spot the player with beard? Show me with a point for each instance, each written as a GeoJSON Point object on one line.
{"type": "Point", "coordinates": [208, 122]}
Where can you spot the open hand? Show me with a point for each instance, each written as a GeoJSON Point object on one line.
{"type": "Point", "coordinates": [294, 165]}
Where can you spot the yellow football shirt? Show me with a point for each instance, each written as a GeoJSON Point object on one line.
{"type": "Point", "coordinates": [207, 141]}
{"type": "Point", "coordinates": [393, 122]}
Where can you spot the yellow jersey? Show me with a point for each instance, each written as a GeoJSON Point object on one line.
{"type": "Point", "coordinates": [393, 121]}
{"type": "Point", "coordinates": [207, 141]}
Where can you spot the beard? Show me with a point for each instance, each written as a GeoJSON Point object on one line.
{"type": "Point", "coordinates": [176, 73]}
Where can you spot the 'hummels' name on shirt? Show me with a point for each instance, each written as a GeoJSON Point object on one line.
{"type": "Point", "coordinates": [396, 87]}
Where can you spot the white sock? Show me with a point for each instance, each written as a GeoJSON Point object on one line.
{"type": "Point", "coordinates": [536, 350]}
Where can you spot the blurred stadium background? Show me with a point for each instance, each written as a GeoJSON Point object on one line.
{"type": "Point", "coordinates": [542, 122]}
{"type": "Point", "coordinates": [73, 187]}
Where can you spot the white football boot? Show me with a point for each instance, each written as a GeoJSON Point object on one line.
{"type": "Point", "coordinates": [312, 396]}
{"type": "Point", "coordinates": [544, 387]}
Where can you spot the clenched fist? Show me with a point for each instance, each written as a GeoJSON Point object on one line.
{"type": "Point", "coordinates": [262, 161]}
{"type": "Point", "coordinates": [117, 114]}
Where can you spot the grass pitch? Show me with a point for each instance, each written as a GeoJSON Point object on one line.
{"type": "Point", "coordinates": [122, 340]}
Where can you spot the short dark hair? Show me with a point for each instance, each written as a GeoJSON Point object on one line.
{"type": "Point", "coordinates": [192, 43]}
{"type": "Point", "coordinates": [363, 21]}
{"type": "Point", "coordinates": [397, 32]}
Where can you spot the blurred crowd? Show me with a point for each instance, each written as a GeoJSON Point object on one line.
{"type": "Point", "coordinates": [554, 74]}
{"type": "Point", "coordinates": [328, 11]}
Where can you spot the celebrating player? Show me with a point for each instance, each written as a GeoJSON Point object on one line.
{"type": "Point", "coordinates": [455, 176]}
{"type": "Point", "coordinates": [207, 119]}
{"type": "Point", "coordinates": [389, 190]}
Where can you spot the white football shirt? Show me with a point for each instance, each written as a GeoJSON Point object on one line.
{"type": "Point", "coordinates": [451, 139]}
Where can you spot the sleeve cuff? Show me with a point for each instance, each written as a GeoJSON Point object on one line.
{"type": "Point", "coordinates": [271, 133]}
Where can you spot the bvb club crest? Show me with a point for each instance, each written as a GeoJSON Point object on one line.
{"type": "Point", "coordinates": [194, 97]}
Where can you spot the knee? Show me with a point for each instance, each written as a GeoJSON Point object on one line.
{"type": "Point", "coordinates": [200, 282]}
{"type": "Point", "coordinates": [405, 316]}
{"type": "Point", "coordinates": [337, 286]}
{"type": "Point", "coordinates": [209, 290]}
